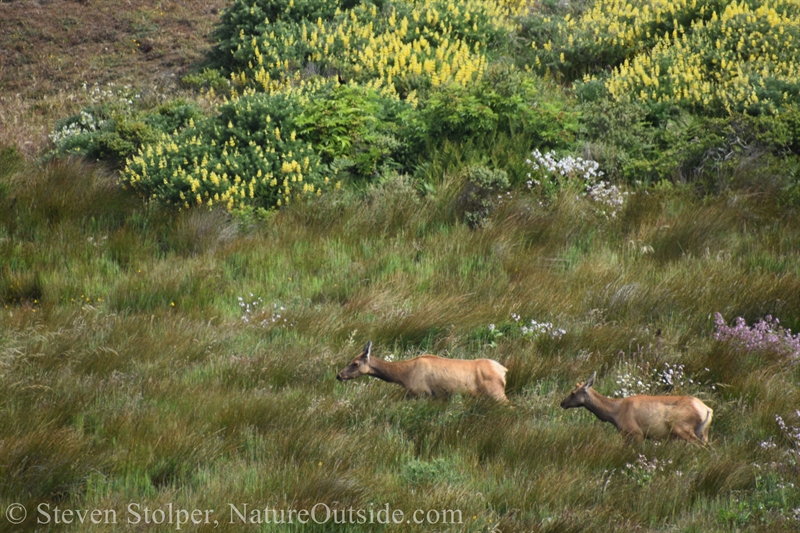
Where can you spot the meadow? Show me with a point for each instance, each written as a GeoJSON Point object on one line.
{"type": "Point", "coordinates": [159, 351]}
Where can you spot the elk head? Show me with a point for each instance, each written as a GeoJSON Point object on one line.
{"type": "Point", "coordinates": [579, 395]}
{"type": "Point", "coordinates": [358, 366]}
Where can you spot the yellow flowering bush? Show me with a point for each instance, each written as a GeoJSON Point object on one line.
{"type": "Point", "coordinates": [714, 56]}
{"type": "Point", "coordinates": [248, 155]}
{"type": "Point", "coordinates": [745, 58]}
{"type": "Point", "coordinates": [607, 32]}
{"type": "Point", "coordinates": [402, 44]}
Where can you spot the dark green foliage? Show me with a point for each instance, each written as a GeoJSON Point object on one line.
{"type": "Point", "coordinates": [208, 78]}
{"type": "Point", "coordinates": [508, 102]}
{"type": "Point", "coordinates": [479, 198]}
{"type": "Point", "coordinates": [631, 143]}
{"type": "Point", "coordinates": [356, 129]}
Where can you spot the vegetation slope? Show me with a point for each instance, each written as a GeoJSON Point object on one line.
{"type": "Point", "coordinates": [154, 352]}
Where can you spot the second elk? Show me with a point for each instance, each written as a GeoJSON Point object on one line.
{"type": "Point", "coordinates": [641, 417]}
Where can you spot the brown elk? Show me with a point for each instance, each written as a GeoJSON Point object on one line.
{"type": "Point", "coordinates": [429, 375]}
{"type": "Point", "coordinates": [640, 417]}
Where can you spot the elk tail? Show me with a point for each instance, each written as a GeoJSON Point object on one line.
{"type": "Point", "coordinates": [703, 428]}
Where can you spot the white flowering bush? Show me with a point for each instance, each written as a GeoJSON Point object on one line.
{"type": "Point", "coordinates": [549, 175]}
{"type": "Point", "coordinates": [81, 124]}
{"type": "Point", "coordinates": [562, 170]}
{"type": "Point", "coordinates": [112, 129]}
{"type": "Point", "coordinates": [608, 198]}
{"type": "Point", "coordinates": [91, 119]}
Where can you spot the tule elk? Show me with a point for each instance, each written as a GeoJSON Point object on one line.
{"type": "Point", "coordinates": [429, 375]}
{"type": "Point", "coordinates": [640, 417]}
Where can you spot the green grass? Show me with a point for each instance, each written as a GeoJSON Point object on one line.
{"type": "Point", "coordinates": [127, 372]}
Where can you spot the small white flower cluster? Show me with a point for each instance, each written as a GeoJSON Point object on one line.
{"type": "Point", "coordinates": [673, 376]}
{"type": "Point", "coordinates": [502, 198]}
{"type": "Point", "coordinates": [640, 379]}
{"type": "Point", "coordinates": [792, 432]}
{"type": "Point", "coordinates": [635, 379]}
{"type": "Point", "coordinates": [494, 334]}
{"type": "Point", "coordinates": [251, 309]}
{"type": "Point", "coordinates": [566, 167]}
{"type": "Point", "coordinates": [87, 123]}
{"type": "Point", "coordinates": [631, 381]}
{"type": "Point", "coordinates": [610, 197]}
{"type": "Point", "coordinates": [248, 309]}
{"type": "Point", "coordinates": [99, 95]}
{"type": "Point", "coordinates": [643, 471]}
{"type": "Point", "coordinates": [768, 444]}
{"type": "Point", "coordinates": [539, 328]}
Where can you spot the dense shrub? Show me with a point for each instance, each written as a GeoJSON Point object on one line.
{"type": "Point", "coordinates": [404, 44]}
{"type": "Point", "coordinates": [113, 133]}
{"type": "Point", "coordinates": [245, 19]}
{"type": "Point", "coordinates": [713, 56]}
{"type": "Point", "coordinates": [744, 58]}
{"type": "Point", "coordinates": [356, 129]}
{"type": "Point", "coordinates": [478, 199]}
{"type": "Point", "coordinates": [506, 100]}
{"type": "Point", "coordinates": [607, 32]}
{"type": "Point", "coordinates": [632, 144]}
{"type": "Point", "coordinates": [249, 154]}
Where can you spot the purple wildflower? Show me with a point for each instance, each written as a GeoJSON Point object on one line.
{"type": "Point", "coordinates": [765, 335]}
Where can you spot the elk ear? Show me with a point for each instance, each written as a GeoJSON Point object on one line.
{"type": "Point", "coordinates": [367, 351]}
{"type": "Point", "coordinates": [590, 381]}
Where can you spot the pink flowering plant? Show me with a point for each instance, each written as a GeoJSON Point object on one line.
{"type": "Point", "coordinates": [767, 335]}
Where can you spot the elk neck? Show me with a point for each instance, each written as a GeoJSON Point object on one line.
{"type": "Point", "coordinates": [606, 409]}
{"type": "Point", "coordinates": [390, 372]}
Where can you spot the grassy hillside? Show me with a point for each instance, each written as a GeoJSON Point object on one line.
{"type": "Point", "coordinates": [157, 355]}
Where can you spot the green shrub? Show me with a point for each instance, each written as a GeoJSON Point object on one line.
{"type": "Point", "coordinates": [632, 144]}
{"type": "Point", "coordinates": [478, 199]}
{"type": "Point", "coordinates": [356, 128]}
{"type": "Point", "coordinates": [712, 56]}
{"type": "Point", "coordinates": [506, 102]}
{"type": "Point", "coordinates": [209, 79]}
{"type": "Point", "coordinates": [113, 133]}
{"type": "Point", "coordinates": [249, 154]}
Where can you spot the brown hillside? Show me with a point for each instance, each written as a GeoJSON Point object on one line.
{"type": "Point", "coordinates": [50, 48]}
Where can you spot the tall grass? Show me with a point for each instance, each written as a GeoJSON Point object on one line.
{"type": "Point", "coordinates": [131, 371]}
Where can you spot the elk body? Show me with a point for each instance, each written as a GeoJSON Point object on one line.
{"type": "Point", "coordinates": [429, 375]}
{"type": "Point", "coordinates": [640, 417]}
